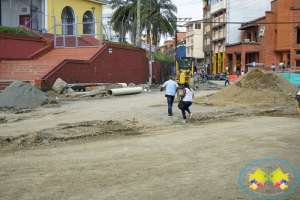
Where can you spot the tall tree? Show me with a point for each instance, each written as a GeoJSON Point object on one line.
{"type": "Point", "coordinates": [163, 17]}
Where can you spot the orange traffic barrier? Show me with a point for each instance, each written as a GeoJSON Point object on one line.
{"type": "Point", "coordinates": [232, 78]}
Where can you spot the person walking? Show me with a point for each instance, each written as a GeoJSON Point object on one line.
{"type": "Point", "coordinates": [187, 100]}
{"type": "Point", "coordinates": [226, 79]}
{"type": "Point", "coordinates": [280, 65]}
{"type": "Point", "coordinates": [171, 89]}
{"type": "Point", "coordinates": [273, 67]}
{"type": "Point", "coordinates": [298, 99]}
{"type": "Point", "coordinates": [283, 66]}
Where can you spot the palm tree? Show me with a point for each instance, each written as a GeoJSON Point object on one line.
{"type": "Point", "coordinates": [123, 16]}
{"type": "Point", "coordinates": [163, 17]}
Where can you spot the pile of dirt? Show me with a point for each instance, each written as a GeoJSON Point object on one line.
{"type": "Point", "coordinates": [76, 131]}
{"type": "Point", "coordinates": [257, 88]}
{"type": "Point", "coordinates": [20, 95]}
{"type": "Point", "coordinates": [260, 80]}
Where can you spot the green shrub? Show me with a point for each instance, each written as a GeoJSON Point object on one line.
{"type": "Point", "coordinates": [13, 31]}
{"type": "Point", "coordinates": [159, 56]}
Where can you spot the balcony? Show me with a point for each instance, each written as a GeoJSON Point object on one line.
{"type": "Point", "coordinates": [218, 24]}
{"type": "Point", "coordinates": [221, 37]}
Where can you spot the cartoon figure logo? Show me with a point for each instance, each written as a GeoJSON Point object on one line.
{"type": "Point", "coordinates": [259, 178]}
{"type": "Point", "coordinates": [281, 181]}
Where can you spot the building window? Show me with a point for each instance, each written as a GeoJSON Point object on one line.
{"type": "Point", "coordinates": [297, 63]}
{"type": "Point", "coordinates": [88, 26]}
{"type": "Point", "coordinates": [298, 36]}
{"type": "Point", "coordinates": [216, 32]}
{"type": "Point", "coordinates": [197, 26]}
{"type": "Point", "coordinates": [221, 18]}
{"type": "Point", "coordinates": [255, 35]}
{"type": "Point", "coordinates": [216, 19]}
{"type": "Point", "coordinates": [298, 52]}
{"type": "Point", "coordinates": [207, 28]}
{"type": "Point", "coordinates": [68, 18]}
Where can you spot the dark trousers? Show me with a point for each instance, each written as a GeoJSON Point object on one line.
{"type": "Point", "coordinates": [227, 81]}
{"type": "Point", "coordinates": [170, 100]}
{"type": "Point", "coordinates": [186, 105]}
{"type": "Point", "coordinates": [298, 99]}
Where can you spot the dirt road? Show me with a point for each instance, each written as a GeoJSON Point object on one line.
{"type": "Point", "coordinates": [90, 150]}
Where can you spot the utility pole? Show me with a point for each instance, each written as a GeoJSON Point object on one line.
{"type": "Point", "coordinates": [150, 52]}
{"type": "Point", "coordinates": [138, 24]}
{"type": "Point", "coordinates": [122, 31]}
{"type": "Point", "coordinates": [176, 41]}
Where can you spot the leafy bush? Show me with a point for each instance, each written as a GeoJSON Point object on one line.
{"type": "Point", "coordinates": [160, 57]}
{"type": "Point", "coordinates": [13, 31]}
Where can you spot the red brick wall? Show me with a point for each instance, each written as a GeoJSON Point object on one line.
{"type": "Point", "coordinates": [296, 4]}
{"type": "Point", "coordinates": [124, 65]}
{"type": "Point", "coordinates": [279, 39]}
{"type": "Point", "coordinates": [18, 46]}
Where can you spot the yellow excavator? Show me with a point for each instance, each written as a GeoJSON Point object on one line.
{"type": "Point", "coordinates": [185, 71]}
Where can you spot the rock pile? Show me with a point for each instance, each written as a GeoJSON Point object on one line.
{"type": "Point", "coordinates": [20, 95]}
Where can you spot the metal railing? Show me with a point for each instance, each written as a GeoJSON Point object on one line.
{"type": "Point", "coordinates": [74, 26]}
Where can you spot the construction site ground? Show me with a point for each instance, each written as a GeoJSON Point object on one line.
{"type": "Point", "coordinates": [88, 148]}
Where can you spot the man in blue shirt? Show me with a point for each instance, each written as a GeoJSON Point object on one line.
{"type": "Point", "coordinates": [171, 89]}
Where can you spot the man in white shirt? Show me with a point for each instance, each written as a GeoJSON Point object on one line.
{"type": "Point", "coordinates": [171, 89]}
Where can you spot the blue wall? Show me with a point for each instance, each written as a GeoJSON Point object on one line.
{"type": "Point", "coordinates": [181, 52]}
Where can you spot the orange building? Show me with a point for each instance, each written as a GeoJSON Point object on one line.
{"type": "Point", "coordinates": [269, 39]}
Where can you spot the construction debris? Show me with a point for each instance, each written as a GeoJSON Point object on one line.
{"type": "Point", "coordinates": [59, 86]}
{"type": "Point", "coordinates": [2, 120]}
{"type": "Point", "coordinates": [20, 95]}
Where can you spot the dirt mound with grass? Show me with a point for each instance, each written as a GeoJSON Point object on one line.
{"type": "Point", "coordinates": [257, 88]}
{"type": "Point", "coordinates": [21, 95]}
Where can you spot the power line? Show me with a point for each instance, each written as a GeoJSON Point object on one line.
{"type": "Point", "coordinates": [252, 23]}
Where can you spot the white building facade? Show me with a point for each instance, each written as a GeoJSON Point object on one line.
{"type": "Point", "coordinates": [243, 11]}
{"type": "Point", "coordinates": [108, 31]}
{"type": "Point", "coordinates": [218, 14]}
{"type": "Point", "coordinates": [194, 41]}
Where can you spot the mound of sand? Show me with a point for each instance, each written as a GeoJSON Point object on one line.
{"type": "Point", "coordinates": [259, 80]}
{"type": "Point", "coordinates": [257, 88]}
{"type": "Point", "coordinates": [20, 95]}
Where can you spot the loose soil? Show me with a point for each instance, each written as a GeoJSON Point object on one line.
{"type": "Point", "coordinates": [90, 149]}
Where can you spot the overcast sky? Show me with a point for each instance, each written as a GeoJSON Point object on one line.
{"type": "Point", "coordinates": [187, 9]}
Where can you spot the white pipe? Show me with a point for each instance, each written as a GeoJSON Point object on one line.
{"type": "Point", "coordinates": [124, 85]}
{"type": "Point", "coordinates": [124, 91]}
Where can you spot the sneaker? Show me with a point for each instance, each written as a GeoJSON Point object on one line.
{"type": "Point", "coordinates": [184, 121]}
{"type": "Point", "coordinates": [170, 115]}
{"type": "Point", "coordinates": [191, 115]}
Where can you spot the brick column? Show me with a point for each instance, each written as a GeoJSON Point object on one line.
{"type": "Point", "coordinates": [226, 61]}
{"type": "Point", "coordinates": [243, 61]}
{"type": "Point", "coordinates": [233, 63]}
